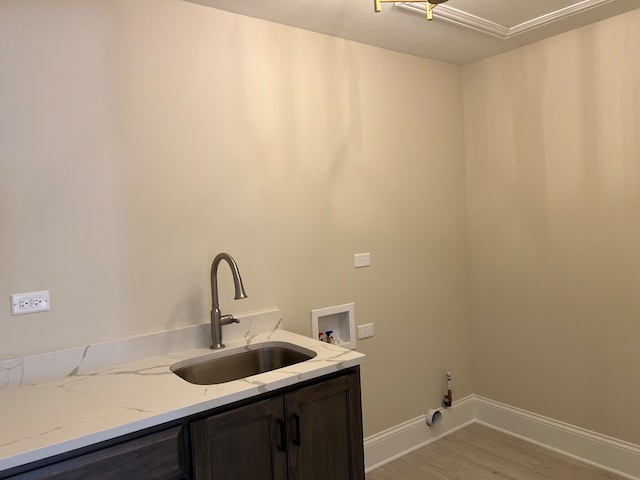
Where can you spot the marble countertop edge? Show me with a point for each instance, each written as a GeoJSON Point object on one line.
{"type": "Point", "coordinates": [118, 400]}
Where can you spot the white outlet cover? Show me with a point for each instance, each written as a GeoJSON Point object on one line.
{"type": "Point", "coordinates": [365, 331]}
{"type": "Point", "coordinates": [30, 302]}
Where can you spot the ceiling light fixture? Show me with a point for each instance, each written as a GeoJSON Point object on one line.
{"type": "Point", "coordinates": [429, 5]}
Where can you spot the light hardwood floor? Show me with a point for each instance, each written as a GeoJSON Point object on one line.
{"type": "Point", "coordinates": [478, 453]}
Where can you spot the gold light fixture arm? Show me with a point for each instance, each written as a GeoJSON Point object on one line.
{"type": "Point", "coordinates": [429, 6]}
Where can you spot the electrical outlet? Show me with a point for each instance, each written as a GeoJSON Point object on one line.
{"type": "Point", "coordinates": [30, 302]}
{"type": "Point", "coordinates": [362, 260]}
{"type": "Point", "coordinates": [365, 331]}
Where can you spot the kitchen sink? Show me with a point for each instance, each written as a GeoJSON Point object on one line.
{"type": "Point", "coordinates": [221, 367]}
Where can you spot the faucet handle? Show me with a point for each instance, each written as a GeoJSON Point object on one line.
{"type": "Point", "coordinates": [227, 319]}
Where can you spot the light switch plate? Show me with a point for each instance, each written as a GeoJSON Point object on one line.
{"type": "Point", "coordinates": [362, 260]}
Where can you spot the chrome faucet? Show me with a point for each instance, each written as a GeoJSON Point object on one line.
{"type": "Point", "coordinates": [217, 320]}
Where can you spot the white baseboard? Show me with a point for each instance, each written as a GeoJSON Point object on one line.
{"type": "Point", "coordinates": [613, 455]}
{"type": "Point", "coordinates": [395, 442]}
{"type": "Point", "coordinates": [616, 456]}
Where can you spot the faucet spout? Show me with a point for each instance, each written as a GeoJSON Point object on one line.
{"type": "Point", "coordinates": [217, 319]}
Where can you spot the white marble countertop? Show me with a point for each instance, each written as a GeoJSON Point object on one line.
{"type": "Point", "coordinates": [88, 406]}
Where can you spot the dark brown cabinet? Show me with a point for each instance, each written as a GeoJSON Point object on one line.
{"type": "Point", "coordinates": [314, 432]}
{"type": "Point", "coordinates": [157, 456]}
{"type": "Point", "coordinates": [247, 442]}
{"type": "Point", "coordinates": [310, 431]}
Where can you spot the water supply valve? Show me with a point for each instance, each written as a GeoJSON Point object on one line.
{"type": "Point", "coordinates": [447, 400]}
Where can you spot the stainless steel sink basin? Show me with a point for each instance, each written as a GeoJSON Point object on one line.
{"type": "Point", "coordinates": [221, 368]}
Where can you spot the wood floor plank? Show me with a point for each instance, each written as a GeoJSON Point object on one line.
{"type": "Point", "coordinates": [478, 452]}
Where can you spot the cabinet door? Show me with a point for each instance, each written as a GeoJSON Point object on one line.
{"type": "Point", "coordinates": [325, 429]}
{"type": "Point", "coordinates": [247, 443]}
{"type": "Point", "coordinates": [157, 456]}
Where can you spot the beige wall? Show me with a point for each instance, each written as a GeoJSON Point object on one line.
{"type": "Point", "coordinates": [553, 185]}
{"type": "Point", "coordinates": [138, 139]}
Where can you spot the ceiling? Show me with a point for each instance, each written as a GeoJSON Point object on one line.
{"type": "Point", "coordinates": [461, 32]}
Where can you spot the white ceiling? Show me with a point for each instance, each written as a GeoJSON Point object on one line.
{"type": "Point", "coordinates": [462, 31]}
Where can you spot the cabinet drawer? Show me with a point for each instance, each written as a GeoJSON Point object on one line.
{"type": "Point", "coordinates": [158, 456]}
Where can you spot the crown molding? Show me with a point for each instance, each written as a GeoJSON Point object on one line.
{"type": "Point", "coordinates": [486, 26]}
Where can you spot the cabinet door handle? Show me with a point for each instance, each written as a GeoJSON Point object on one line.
{"type": "Point", "coordinates": [283, 436]}
{"type": "Point", "coordinates": [296, 440]}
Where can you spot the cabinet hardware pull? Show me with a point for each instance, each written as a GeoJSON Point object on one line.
{"type": "Point", "coordinates": [283, 436]}
{"type": "Point", "coordinates": [296, 440]}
